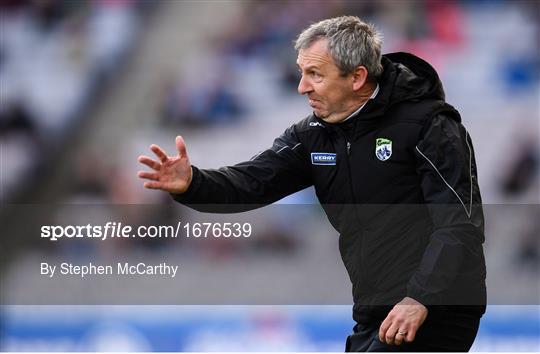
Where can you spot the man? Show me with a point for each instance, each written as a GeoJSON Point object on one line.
{"type": "Point", "coordinates": [395, 172]}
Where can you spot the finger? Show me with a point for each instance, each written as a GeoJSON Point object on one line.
{"type": "Point", "coordinates": [148, 175]}
{"type": "Point", "coordinates": [149, 162]}
{"type": "Point", "coordinates": [400, 337]}
{"type": "Point", "coordinates": [181, 146]}
{"type": "Point", "coordinates": [411, 333]}
{"type": "Point", "coordinates": [152, 185]}
{"type": "Point", "coordinates": [384, 327]}
{"type": "Point", "coordinates": [159, 153]}
{"type": "Point", "coordinates": [391, 334]}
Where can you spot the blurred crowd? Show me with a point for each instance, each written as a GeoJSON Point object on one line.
{"type": "Point", "coordinates": [58, 57]}
{"type": "Point", "coordinates": [263, 32]}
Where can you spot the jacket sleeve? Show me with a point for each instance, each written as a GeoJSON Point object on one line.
{"type": "Point", "coordinates": [269, 176]}
{"type": "Point", "coordinates": [453, 260]}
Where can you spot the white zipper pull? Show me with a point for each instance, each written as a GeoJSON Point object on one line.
{"type": "Point", "coordinates": [348, 148]}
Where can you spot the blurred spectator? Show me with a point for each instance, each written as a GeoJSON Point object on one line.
{"type": "Point", "coordinates": [527, 255]}
{"type": "Point", "coordinates": [15, 117]}
{"type": "Point", "coordinates": [47, 13]}
{"type": "Point", "coordinates": [523, 171]}
{"type": "Point", "coordinates": [20, 146]}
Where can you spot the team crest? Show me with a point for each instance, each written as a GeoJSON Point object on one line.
{"type": "Point", "coordinates": [383, 148]}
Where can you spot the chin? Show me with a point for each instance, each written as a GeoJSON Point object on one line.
{"type": "Point", "coordinates": [321, 115]}
{"type": "Point", "coordinates": [332, 120]}
{"type": "Point", "coordinates": [328, 118]}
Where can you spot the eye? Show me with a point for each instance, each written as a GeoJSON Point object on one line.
{"type": "Point", "coordinates": [315, 75]}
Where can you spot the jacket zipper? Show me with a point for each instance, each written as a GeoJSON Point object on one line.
{"type": "Point", "coordinates": [351, 186]}
{"type": "Point", "coordinates": [348, 150]}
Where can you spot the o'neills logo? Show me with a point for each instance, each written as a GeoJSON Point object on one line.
{"type": "Point", "coordinates": [323, 158]}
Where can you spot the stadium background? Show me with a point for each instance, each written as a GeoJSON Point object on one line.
{"type": "Point", "coordinates": [86, 86]}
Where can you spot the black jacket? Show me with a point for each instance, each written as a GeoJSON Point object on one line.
{"type": "Point", "coordinates": [398, 181]}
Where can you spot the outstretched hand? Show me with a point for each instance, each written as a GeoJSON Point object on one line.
{"type": "Point", "coordinates": [171, 174]}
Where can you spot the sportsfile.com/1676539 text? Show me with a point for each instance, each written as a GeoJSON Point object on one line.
{"type": "Point", "coordinates": [114, 229]}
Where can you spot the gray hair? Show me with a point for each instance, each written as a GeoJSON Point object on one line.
{"type": "Point", "coordinates": [351, 43]}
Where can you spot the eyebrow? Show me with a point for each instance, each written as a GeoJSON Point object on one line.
{"type": "Point", "coordinates": [310, 67]}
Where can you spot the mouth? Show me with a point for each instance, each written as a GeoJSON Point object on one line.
{"type": "Point", "coordinates": [313, 102]}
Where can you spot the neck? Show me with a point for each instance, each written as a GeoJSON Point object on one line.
{"type": "Point", "coordinates": [363, 95]}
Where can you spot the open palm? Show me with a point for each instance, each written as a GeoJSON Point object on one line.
{"type": "Point", "coordinates": [171, 174]}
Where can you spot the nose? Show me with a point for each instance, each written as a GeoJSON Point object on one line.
{"type": "Point", "coordinates": [304, 86]}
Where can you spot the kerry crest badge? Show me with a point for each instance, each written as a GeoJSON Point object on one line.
{"type": "Point", "coordinates": [383, 148]}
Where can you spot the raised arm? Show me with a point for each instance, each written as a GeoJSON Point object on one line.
{"type": "Point", "coordinates": [269, 176]}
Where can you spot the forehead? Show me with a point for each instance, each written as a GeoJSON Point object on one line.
{"type": "Point", "coordinates": [315, 55]}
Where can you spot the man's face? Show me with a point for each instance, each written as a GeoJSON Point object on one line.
{"type": "Point", "coordinates": [330, 94]}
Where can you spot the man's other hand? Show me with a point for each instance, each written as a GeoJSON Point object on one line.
{"type": "Point", "coordinates": [402, 322]}
{"type": "Point", "coordinates": [171, 174]}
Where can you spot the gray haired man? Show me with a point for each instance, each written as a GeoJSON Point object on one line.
{"type": "Point", "coordinates": [395, 171]}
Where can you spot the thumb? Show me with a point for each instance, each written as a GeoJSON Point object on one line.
{"type": "Point", "coordinates": [181, 146]}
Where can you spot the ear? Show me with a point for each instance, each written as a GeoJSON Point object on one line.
{"type": "Point", "coordinates": [359, 77]}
